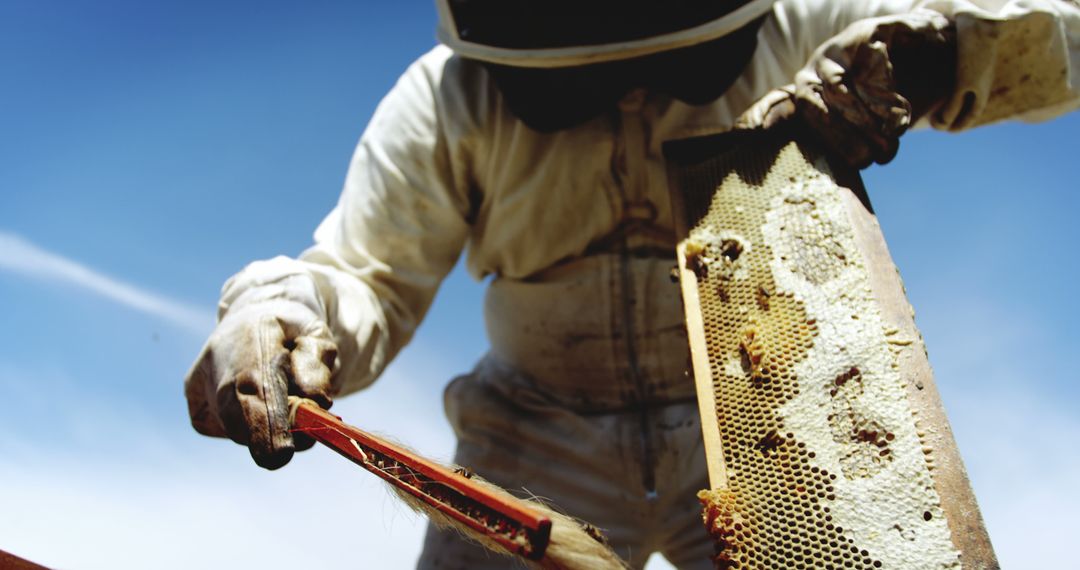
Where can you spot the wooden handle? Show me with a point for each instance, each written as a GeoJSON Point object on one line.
{"type": "Point", "coordinates": [509, 523]}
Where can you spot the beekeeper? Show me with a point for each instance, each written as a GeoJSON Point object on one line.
{"type": "Point", "coordinates": [531, 140]}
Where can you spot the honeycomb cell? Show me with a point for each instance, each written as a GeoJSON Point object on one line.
{"type": "Point", "coordinates": [800, 398]}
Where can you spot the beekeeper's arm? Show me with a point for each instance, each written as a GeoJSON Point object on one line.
{"type": "Point", "coordinates": [978, 61]}
{"type": "Point", "coordinates": [330, 321]}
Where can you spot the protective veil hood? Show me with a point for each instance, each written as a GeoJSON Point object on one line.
{"type": "Point", "coordinates": [570, 33]}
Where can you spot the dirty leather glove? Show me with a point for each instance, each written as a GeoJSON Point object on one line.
{"type": "Point", "coordinates": [863, 88]}
{"type": "Point", "coordinates": [258, 355]}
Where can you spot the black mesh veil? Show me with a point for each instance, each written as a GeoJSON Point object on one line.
{"type": "Point", "coordinates": [543, 24]}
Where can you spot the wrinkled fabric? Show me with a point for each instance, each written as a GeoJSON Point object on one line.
{"type": "Point", "coordinates": [1021, 62]}
{"type": "Point", "coordinates": [586, 400]}
{"type": "Point", "coordinates": [587, 465]}
{"type": "Point", "coordinates": [444, 166]}
{"type": "Point", "coordinates": [597, 335]}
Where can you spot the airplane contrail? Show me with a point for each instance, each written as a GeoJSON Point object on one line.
{"type": "Point", "coordinates": [22, 257]}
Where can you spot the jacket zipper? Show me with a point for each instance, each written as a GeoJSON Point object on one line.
{"type": "Point", "coordinates": [627, 127]}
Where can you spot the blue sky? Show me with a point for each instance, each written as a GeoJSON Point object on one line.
{"type": "Point", "coordinates": [150, 150]}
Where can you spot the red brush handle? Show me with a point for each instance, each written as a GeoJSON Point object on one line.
{"type": "Point", "coordinates": [515, 527]}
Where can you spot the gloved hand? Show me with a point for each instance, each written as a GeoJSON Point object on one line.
{"type": "Point", "coordinates": [863, 88]}
{"type": "Point", "coordinates": [258, 355]}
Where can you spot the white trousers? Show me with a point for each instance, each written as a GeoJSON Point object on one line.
{"type": "Point", "coordinates": [585, 400]}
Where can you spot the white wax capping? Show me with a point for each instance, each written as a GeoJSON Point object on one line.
{"type": "Point", "coordinates": [851, 409]}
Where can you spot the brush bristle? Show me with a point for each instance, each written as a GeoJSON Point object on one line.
{"type": "Point", "coordinates": [573, 544]}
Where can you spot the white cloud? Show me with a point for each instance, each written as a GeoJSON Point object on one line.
{"type": "Point", "coordinates": [163, 501]}
{"type": "Point", "coordinates": [22, 257]}
{"type": "Point", "coordinates": [317, 512]}
{"type": "Point", "coordinates": [149, 498]}
{"type": "Point", "coordinates": [139, 493]}
{"type": "Point", "coordinates": [153, 498]}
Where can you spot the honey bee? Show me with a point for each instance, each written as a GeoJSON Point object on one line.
{"type": "Point", "coordinates": [696, 260]}
{"type": "Point", "coordinates": [769, 442]}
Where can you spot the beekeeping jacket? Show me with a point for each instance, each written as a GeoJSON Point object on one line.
{"type": "Point", "coordinates": [585, 396]}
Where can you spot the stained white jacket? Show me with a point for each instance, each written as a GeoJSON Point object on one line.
{"type": "Point", "coordinates": [445, 167]}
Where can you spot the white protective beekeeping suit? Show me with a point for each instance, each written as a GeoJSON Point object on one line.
{"type": "Point", "coordinates": [585, 396]}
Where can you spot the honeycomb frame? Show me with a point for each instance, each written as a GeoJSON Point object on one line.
{"type": "Point", "coordinates": [826, 440]}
